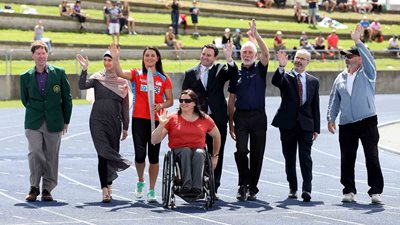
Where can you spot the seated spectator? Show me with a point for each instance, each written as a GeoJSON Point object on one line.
{"type": "Point", "coordinates": [227, 36]}
{"type": "Point", "coordinates": [79, 14]}
{"type": "Point", "coordinates": [375, 31]}
{"type": "Point", "coordinates": [303, 37]}
{"type": "Point", "coordinates": [343, 5]}
{"type": "Point", "coordinates": [320, 45]}
{"type": "Point", "coordinates": [65, 8]}
{"type": "Point", "coordinates": [187, 130]}
{"type": "Point", "coordinates": [394, 44]}
{"type": "Point", "coordinates": [129, 20]}
{"type": "Point", "coordinates": [304, 44]}
{"type": "Point", "coordinates": [329, 5]}
{"type": "Point", "coordinates": [332, 40]}
{"type": "Point", "coordinates": [365, 24]}
{"type": "Point", "coordinates": [171, 41]}
{"type": "Point", "coordinates": [280, 4]}
{"type": "Point", "coordinates": [264, 3]}
{"type": "Point", "coordinates": [299, 16]}
{"type": "Point", "coordinates": [376, 6]}
{"type": "Point", "coordinates": [183, 21]}
{"type": "Point", "coordinates": [279, 44]}
{"type": "Point", "coordinates": [364, 7]}
{"type": "Point", "coordinates": [38, 35]}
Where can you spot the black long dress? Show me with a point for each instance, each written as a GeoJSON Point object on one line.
{"type": "Point", "coordinates": [110, 113]}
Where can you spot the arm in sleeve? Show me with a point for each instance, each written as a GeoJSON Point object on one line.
{"type": "Point", "coordinates": [368, 62]}
{"type": "Point", "coordinates": [186, 81]}
{"type": "Point", "coordinates": [334, 104]}
{"type": "Point", "coordinates": [278, 79]}
{"type": "Point", "coordinates": [83, 82]}
{"type": "Point", "coordinates": [125, 112]}
{"type": "Point", "coordinates": [316, 110]}
{"type": "Point", "coordinates": [66, 98]}
{"type": "Point", "coordinates": [23, 90]}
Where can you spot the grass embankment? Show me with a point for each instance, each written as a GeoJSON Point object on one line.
{"type": "Point", "coordinates": [17, 103]}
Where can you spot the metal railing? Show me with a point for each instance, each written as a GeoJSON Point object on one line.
{"type": "Point", "coordinates": [9, 56]}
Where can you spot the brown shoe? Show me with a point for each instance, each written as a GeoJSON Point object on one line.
{"type": "Point", "coordinates": [33, 193]}
{"type": "Point", "coordinates": [46, 196]}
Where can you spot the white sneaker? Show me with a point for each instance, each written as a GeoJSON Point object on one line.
{"type": "Point", "coordinates": [139, 189]}
{"type": "Point", "coordinates": [376, 199]}
{"type": "Point", "coordinates": [348, 197]}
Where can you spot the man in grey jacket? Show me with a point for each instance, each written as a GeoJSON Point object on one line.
{"type": "Point", "coordinates": [353, 94]}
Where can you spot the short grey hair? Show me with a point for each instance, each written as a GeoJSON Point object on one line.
{"type": "Point", "coordinates": [303, 51]}
{"type": "Point", "coordinates": [251, 44]}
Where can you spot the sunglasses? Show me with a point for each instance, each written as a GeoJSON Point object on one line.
{"type": "Point", "coordinates": [350, 56]}
{"type": "Point", "coordinates": [186, 100]}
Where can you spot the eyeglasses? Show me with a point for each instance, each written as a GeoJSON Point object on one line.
{"type": "Point", "coordinates": [186, 100]}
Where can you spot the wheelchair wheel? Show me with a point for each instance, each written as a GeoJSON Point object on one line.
{"type": "Point", "coordinates": [209, 183]}
{"type": "Point", "coordinates": [167, 180]}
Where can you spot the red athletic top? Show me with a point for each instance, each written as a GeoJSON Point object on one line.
{"type": "Point", "coordinates": [182, 133]}
{"type": "Point", "coordinates": [139, 90]}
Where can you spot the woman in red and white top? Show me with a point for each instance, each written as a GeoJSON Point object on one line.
{"type": "Point", "coordinates": [141, 123]}
{"type": "Point", "coordinates": [187, 131]}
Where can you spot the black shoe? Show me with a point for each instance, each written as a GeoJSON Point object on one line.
{"type": "Point", "coordinates": [292, 194]}
{"type": "Point", "coordinates": [306, 196]}
{"type": "Point", "coordinates": [252, 196]}
{"type": "Point", "coordinates": [242, 193]}
{"type": "Point", "coordinates": [196, 191]}
{"type": "Point", "coordinates": [184, 191]}
{"type": "Point", "coordinates": [46, 196]}
{"type": "Point", "coordinates": [32, 195]}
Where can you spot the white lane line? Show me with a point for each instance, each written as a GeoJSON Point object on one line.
{"type": "Point", "coordinates": [46, 210]}
{"type": "Point", "coordinates": [11, 137]}
{"type": "Point", "coordinates": [359, 163]}
{"type": "Point", "coordinates": [148, 205]}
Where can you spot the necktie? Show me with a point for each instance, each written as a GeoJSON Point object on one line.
{"type": "Point", "coordinates": [205, 78]}
{"type": "Point", "coordinates": [300, 89]}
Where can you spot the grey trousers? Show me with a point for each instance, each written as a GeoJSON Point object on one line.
{"type": "Point", "coordinates": [192, 166]}
{"type": "Point", "coordinates": [44, 148]}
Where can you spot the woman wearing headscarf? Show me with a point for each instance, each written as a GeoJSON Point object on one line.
{"type": "Point", "coordinates": [108, 119]}
{"type": "Point", "coordinates": [151, 94]}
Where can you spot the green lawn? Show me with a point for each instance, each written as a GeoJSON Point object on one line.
{"type": "Point", "coordinates": [18, 104]}
{"type": "Point", "coordinates": [232, 23]}
{"type": "Point", "coordinates": [171, 66]}
{"type": "Point", "coordinates": [144, 40]}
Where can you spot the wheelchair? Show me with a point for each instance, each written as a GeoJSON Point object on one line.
{"type": "Point", "coordinates": [172, 182]}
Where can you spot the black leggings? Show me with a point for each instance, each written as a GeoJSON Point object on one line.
{"type": "Point", "coordinates": [103, 172]}
{"type": "Point", "coordinates": [141, 134]}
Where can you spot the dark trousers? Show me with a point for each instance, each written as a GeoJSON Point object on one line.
{"type": "Point", "coordinates": [175, 20]}
{"type": "Point", "coordinates": [251, 124]}
{"type": "Point", "coordinates": [291, 138]}
{"type": "Point", "coordinates": [218, 170]}
{"type": "Point", "coordinates": [365, 130]}
{"type": "Point", "coordinates": [103, 172]}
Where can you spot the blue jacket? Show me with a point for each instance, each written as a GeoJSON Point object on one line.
{"type": "Point", "coordinates": [361, 103]}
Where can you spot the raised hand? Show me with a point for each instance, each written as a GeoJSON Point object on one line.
{"type": "Point", "coordinates": [356, 34]}
{"type": "Point", "coordinates": [228, 51]}
{"type": "Point", "coordinates": [253, 27]}
{"type": "Point", "coordinates": [114, 50]}
{"type": "Point", "coordinates": [84, 61]}
{"type": "Point", "coordinates": [163, 117]}
{"type": "Point", "coordinates": [282, 58]}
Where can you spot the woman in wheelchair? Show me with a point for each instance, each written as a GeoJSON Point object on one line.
{"type": "Point", "coordinates": [187, 131]}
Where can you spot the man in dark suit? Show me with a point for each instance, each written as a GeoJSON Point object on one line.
{"type": "Point", "coordinates": [208, 79]}
{"type": "Point", "coordinates": [46, 95]}
{"type": "Point", "coordinates": [298, 118]}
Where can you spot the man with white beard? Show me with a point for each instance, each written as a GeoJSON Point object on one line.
{"type": "Point", "coordinates": [247, 118]}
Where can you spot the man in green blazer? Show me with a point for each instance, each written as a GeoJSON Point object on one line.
{"type": "Point", "coordinates": [46, 95]}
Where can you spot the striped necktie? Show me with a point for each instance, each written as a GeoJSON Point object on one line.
{"type": "Point", "coordinates": [300, 89]}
